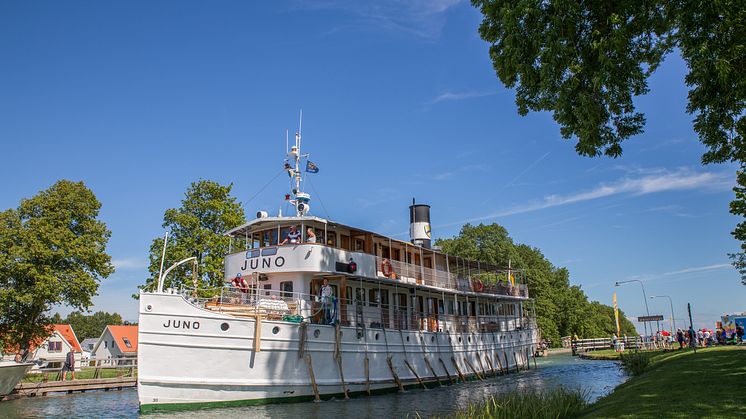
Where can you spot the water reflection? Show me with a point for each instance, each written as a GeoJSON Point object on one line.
{"type": "Point", "coordinates": [596, 378]}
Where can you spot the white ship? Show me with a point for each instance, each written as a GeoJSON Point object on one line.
{"type": "Point", "coordinates": [394, 314]}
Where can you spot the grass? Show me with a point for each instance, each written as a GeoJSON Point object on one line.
{"type": "Point", "coordinates": [709, 383]}
{"type": "Point", "coordinates": [606, 354]}
{"type": "Point", "coordinates": [557, 404]}
{"type": "Point", "coordinates": [84, 374]}
{"type": "Point", "coordinates": [635, 363]}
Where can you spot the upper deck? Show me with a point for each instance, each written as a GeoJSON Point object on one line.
{"type": "Point", "coordinates": [336, 245]}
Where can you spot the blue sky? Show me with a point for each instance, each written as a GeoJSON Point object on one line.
{"type": "Point", "coordinates": [138, 99]}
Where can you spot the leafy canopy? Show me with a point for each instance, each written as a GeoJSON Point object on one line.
{"type": "Point", "coordinates": [196, 229]}
{"type": "Point", "coordinates": [585, 62]}
{"type": "Point", "coordinates": [91, 326]}
{"type": "Point", "coordinates": [561, 309]}
{"type": "Point", "coordinates": [52, 252]}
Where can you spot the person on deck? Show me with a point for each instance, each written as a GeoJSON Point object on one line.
{"type": "Point", "coordinates": [69, 365]}
{"type": "Point", "coordinates": [293, 236]}
{"type": "Point", "coordinates": [310, 236]}
{"type": "Point", "coordinates": [326, 293]}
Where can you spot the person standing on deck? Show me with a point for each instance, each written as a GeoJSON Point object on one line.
{"type": "Point", "coordinates": [293, 236]}
{"type": "Point", "coordinates": [69, 365]}
{"type": "Point", "coordinates": [326, 293]}
{"type": "Point", "coordinates": [310, 236]}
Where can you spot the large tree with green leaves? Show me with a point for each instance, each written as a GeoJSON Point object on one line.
{"type": "Point", "coordinates": [561, 309]}
{"type": "Point", "coordinates": [93, 325]}
{"type": "Point", "coordinates": [52, 252]}
{"type": "Point", "coordinates": [586, 61]}
{"type": "Point", "coordinates": [196, 229]}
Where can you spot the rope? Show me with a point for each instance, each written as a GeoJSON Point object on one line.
{"type": "Point", "coordinates": [265, 186]}
{"type": "Point", "coordinates": [318, 196]}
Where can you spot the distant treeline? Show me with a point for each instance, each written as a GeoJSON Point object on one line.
{"type": "Point", "coordinates": [561, 309]}
{"type": "Point", "coordinates": [91, 326]}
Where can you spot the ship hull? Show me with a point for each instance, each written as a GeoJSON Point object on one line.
{"type": "Point", "coordinates": [192, 357]}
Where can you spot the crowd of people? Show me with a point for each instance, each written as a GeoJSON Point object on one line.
{"type": "Point", "coordinates": [704, 337]}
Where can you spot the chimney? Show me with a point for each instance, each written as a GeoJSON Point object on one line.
{"type": "Point", "coordinates": [419, 224]}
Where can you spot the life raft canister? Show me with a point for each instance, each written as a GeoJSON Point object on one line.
{"type": "Point", "coordinates": [477, 285]}
{"type": "Point", "coordinates": [387, 268]}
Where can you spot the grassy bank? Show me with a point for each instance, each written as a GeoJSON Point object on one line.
{"type": "Point", "coordinates": [557, 404]}
{"type": "Point", "coordinates": [84, 374]}
{"type": "Point", "coordinates": [709, 383]}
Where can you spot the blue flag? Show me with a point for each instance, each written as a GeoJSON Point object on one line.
{"type": "Point", "coordinates": [311, 167]}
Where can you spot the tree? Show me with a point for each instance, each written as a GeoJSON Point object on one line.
{"type": "Point", "coordinates": [197, 229]}
{"type": "Point", "coordinates": [52, 252]}
{"type": "Point", "coordinates": [585, 62]}
{"type": "Point", "coordinates": [91, 326]}
{"type": "Point", "coordinates": [561, 309]}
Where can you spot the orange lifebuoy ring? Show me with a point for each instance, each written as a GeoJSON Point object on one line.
{"type": "Point", "coordinates": [240, 283]}
{"type": "Point", "coordinates": [387, 268]}
{"type": "Point", "coordinates": [477, 285]}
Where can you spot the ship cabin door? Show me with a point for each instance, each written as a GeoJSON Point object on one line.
{"type": "Point", "coordinates": [337, 282]}
{"type": "Point", "coordinates": [401, 311]}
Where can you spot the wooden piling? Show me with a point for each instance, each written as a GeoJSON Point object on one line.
{"type": "Point", "coordinates": [313, 378]}
{"type": "Point", "coordinates": [338, 356]}
{"type": "Point", "coordinates": [433, 371]}
{"type": "Point", "coordinates": [528, 363]}
{"type": "Point", "coordinates": [479, 359]}
{"type": "Point", "coordinates": [458, 370]}
{"type": "Point", "coordinates": [415, 374]}
{"type": "Point", "coordinates": [517, 368]}
{"type": "Point", "coordinates": [499, 364]}
{"type": "Point", "coordinates": [257, 334]}
{"type": "Point", "coordinates": [474, 370]}
{"type": "Point", "coordinates": [492, 367]}
{"type": "Point", "coordinates": [393, 372]}
{"type": "Point", "coordinates": [446, 370]}
{"type": "Point", "coordinates": [507, 364]}
{"type": "Point", "coordinates": [367, 376]}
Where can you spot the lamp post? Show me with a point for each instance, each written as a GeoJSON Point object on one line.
{"type": "Point", "coordinates": [644, 297]}
{"type": "Point", "coordinates": [673, 318]}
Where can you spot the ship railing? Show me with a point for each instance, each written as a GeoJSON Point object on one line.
{"type": "Point", "coordinates": [354, 312]}
{"type": "Point", "coordinates": [416, 274]}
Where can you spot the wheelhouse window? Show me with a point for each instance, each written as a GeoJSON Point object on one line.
{"type": "Point", "coordinates": [331, 239]}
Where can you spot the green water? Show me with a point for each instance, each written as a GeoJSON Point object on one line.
{"type": "Point", "coordinates": [596, 378]}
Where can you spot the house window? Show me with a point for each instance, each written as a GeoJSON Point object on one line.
{"type": "Point", "coordinates": [55, 347]}
{"type": "Point", "coordinates": [127, 342]}
{"type": "Point", "coordinates": [106, 344]}
{"type": "Point", "coordinates": [112, 343]}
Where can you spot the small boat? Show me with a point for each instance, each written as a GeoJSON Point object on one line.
{"type": "Point", "coordinates": [11, 373]}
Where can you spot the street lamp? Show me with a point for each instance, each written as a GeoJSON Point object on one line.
{"type": "Point", "coordinates": [673, 318]}
{"type": "Point", "coordinates": [644, 297]}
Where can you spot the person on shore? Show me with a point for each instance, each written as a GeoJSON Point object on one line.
{"type": "Point", "coordinates": [69, 365]}
{"type": "Point", "coordinates": [692, 337]}
{"type": "Point", "coordinates": [739, 334]}
{"type": "Point", "coordinates": [680, 338]}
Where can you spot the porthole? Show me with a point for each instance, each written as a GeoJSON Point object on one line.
{"type": "Point", "coordinates": [407, 338]}
{"type": "Point", "coordinates": [148, 307]}
{"type": "Point", "coordinates": [459, 339]}
{"type": "Point", "coordinates": [359, 335]}
{"type": "Point", "coordinates": [469, 339]}
{"type": "Point", "coordinates": [432, 338]}
{"type": "Point", "coordinates": [316, 333]}
{"type": "Point", "coordinates": [224, 327]}
{"type": "Point", "coordinates": [376, 336]}
{"type": "Point", "coordinates": [275, 330]}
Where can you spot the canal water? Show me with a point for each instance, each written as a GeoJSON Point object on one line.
{"type": "Point", "coordinates": [594, 378]}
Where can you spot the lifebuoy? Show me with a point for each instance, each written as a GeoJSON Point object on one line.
{"type": "Point", "coordinates": [477, 285]}
{"type": "Point", "coordinates": [387, 268]}
{"type": "Point", "coordinates": [240, 283]}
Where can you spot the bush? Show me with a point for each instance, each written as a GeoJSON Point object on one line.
{"type": "Point", "coordinates": [556, 404]}
{"type": "Point", "coordinates": [634, 363]}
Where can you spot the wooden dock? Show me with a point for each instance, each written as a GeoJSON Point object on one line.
{"type": "Point", "coordinates": [43, 388]}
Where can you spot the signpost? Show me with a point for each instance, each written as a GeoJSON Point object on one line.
{"type": "Point", "coordinates": [653, 318]}
{"type": "Point", "coordinates": [691, 325]}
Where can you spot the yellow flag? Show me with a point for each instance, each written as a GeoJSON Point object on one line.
{"type": "Point", "coordinates": [616, 315]}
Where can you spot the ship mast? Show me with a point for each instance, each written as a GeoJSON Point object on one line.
{"type": "Point", "coordinates": [301, 199]}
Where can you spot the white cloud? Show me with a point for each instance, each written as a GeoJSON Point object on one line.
{"type": "Point", "coordinates": [450, 96]}
{"type": "Point", "coordinates": [421, 18]}
{"type": "Point", "coordinates": [680, 272]}
{"type": "Point", "coordinates": [659, 180]}
{"type": "Point", "coordinates": [129, 263]}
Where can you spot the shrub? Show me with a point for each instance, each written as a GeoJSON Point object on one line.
{"type": "Point", "coordinates": [556, 404]}
{"type": "Point", "coordinates": [634, 363]}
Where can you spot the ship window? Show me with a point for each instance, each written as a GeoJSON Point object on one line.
{"type": "Point", "coordinates": [374, 297]}
{"type": "Point", "coordinates": [348, 295]}
{"type": "Point", "coordinates": [345, 242]}
{"type": "Point", "coordinates": [331, 239]}
{"type": "Point", "coordinates": [449, 306]}
{"type": "Point", "coordinates": [268, 289]}
{"type": "Point", "coordinates": [360, 296]}
{"type": "Point", "coordinates": [287, 288]}
{"type": "Point", "coordinates": [359, 245]}
{"type": "Point", "coordinates": [269, 251]}
{"type": "Point", "coordinates": [127, 342]}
